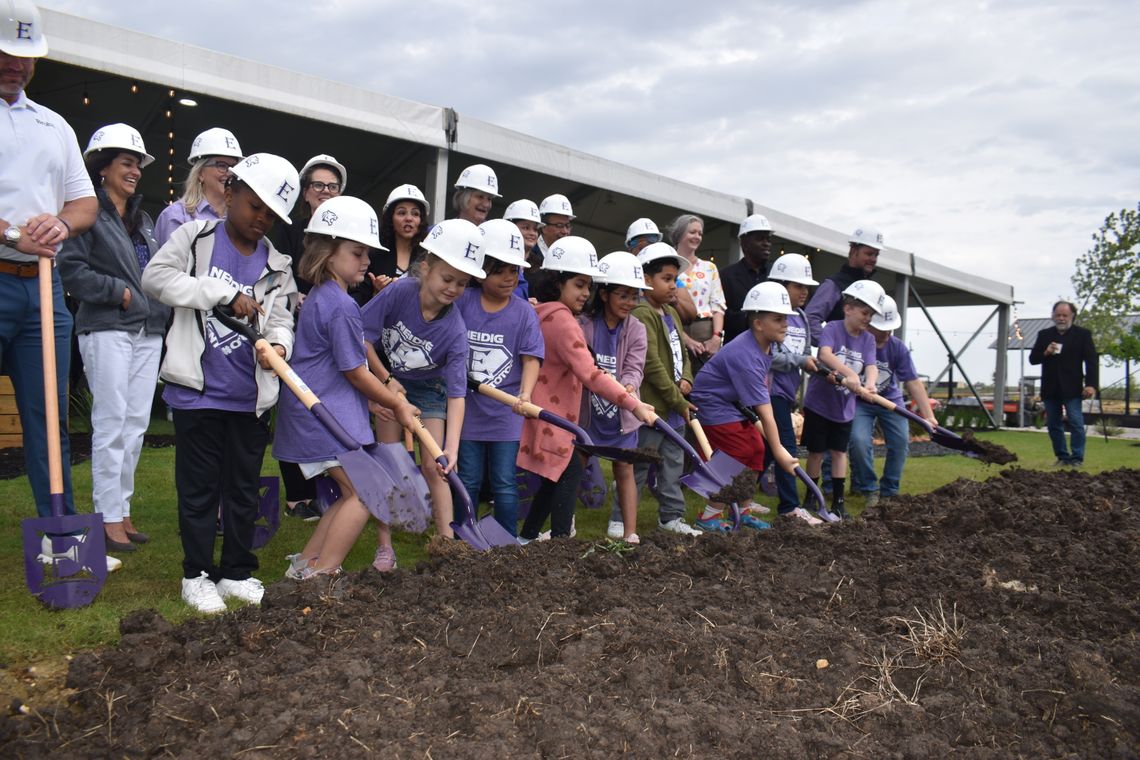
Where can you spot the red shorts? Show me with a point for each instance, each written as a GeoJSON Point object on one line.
{"type": "Point", "coordinates": [740, 440]}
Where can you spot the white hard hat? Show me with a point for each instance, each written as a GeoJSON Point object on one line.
{"type": "Point", "coordinates": [768, 296]}
{"type": "Point", "coordinates": [523, 211]}
{"type": "Point", "coordinates": [755, 223]}
{"type": "Point", "coordinates": [621, 268]}
{"type": "Point", "coordinates": [868, 236]}
{"type": "Point", "coordinates": [347, 218]}
{"type": "Point", "coordinates": [792, 267]}
{"type": "Point", "coordinates": [459, 243]}
{"type": "Point", "coordinates": [122, 137]}
{"type": "Point", "coordinates": [655, 251]}
{"type": "Point", "coordinates": [503, 242]}
{"type": "Point", "coordinates": [640, 228]}
{"type": "Point", "coordinates": [324, 158]}
{"type": "Point", "coordinates": [479, 177]}
{"type": "Point", "coordinates": [408, 193]}
{"type": "Point", "coordinates": [273, 179]}
{"type": "Point", "coordinates": [890, 319]}
{"type": "Point", "coordinates": [556, 204]}
{"type": "Point", "coordinates": [215, 142]}
{"type": "Point", "coordinates": [572, 254]}
{"type": "Point", "coordinates": [869, 292]}
{"type": "Point", "coordinates": [21, 29]}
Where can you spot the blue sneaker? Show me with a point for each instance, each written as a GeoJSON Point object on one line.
{"type": "Point", "coordinates": [748, 521]}
{"type": "Point", "coordinates": [712, 525]}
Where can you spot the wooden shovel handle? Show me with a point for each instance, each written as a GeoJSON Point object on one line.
{"type": "Point", "coordinates": [51, 391]}
{"type": "Point", "coordinates": [528, 409]}
{"type": "Point", "coordinates": [427, 443]}
{"type": "Point", "coordinates": [702, 439]}
{"type": "Point", "coordinates": [287, 375]}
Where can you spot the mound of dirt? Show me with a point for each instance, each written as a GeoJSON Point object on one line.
{"type": "Point", "coordinates": [992, 619]}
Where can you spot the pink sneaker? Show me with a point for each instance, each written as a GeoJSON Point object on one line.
{"type": "Point", "coordinates": [385, 559]}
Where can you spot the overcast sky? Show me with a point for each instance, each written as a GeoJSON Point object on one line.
{"type": "Point", "coordinates": [993, 137]}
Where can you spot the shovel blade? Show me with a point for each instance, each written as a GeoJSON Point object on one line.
{"type": "Point", "coordinates": [410, 502]}
{"type": "Point", "coordinates": [493, 533]}
{"type": "Point", "coordinates": [268, 512]}
{"type": "Point", "coordinates": [469, 534]}
{"type": "Point", "coordinates": [65, 559]}
{"type": "Point", "coordinates": [592, 491]}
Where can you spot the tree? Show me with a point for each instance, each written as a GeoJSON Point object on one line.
{"type": "Point", "coordinates": [1107, 283]}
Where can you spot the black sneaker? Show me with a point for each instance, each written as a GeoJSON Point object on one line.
{"type": "Point", "coordinates": [303, 510]}
{"type": "Point", "coordinates": [839, 509]}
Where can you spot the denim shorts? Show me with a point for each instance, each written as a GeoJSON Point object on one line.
{"type": "Point", "coordinates": [429, 396]}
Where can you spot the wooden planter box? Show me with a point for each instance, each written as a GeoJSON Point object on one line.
{"type": "Point", "coordinates": [11, 434]}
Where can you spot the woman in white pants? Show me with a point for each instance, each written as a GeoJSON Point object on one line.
{"type": "Point", "coordinates": [120, 330]}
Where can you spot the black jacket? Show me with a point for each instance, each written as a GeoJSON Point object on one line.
{"type": "Point", "coordinates": [737, 279]}
{"type": "Point", "coordinates": [1061, 376]}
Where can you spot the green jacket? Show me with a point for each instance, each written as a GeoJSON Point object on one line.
{"type": "Point", "coordinates": [658, 388]}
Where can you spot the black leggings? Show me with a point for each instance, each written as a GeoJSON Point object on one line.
{"type": "Point", "coordinates": [555, 499]}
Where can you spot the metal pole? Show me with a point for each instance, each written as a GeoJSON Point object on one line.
{"type": "Point", "coordinates": [953, 358]}
{"type": "Point", "coordinates": [962, 350]}
{"type": "Point", "coordinates": [1002, 358]}
{"type": "Point", "coordinates": [436, 185]}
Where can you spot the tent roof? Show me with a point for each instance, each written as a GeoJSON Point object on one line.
{"type": "Point", "coordinates": [1030, 327]}
{"type": "Point", "coordinates": [387, 140]}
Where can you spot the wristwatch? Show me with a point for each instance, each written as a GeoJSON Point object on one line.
{"type": "Point", "coordinates": [12, 236]}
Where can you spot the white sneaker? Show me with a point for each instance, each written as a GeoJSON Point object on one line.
{"type": "Point", "coordinates": [806, 516]}
{"type": "Point", "coordinates": [297, 564]}
{"type": "Point", "coordinates": [113, 563]}
{"type": "Point", "coordinates": [250, 590]}
{"type": "Point", "coordinates": [615, 530]}
{"type": "Point", "coordinates": [678, 525]}
{"type": "Point", "coordinates": [759, 509]}
{"type": "Point", "coordinates": [201, 594]}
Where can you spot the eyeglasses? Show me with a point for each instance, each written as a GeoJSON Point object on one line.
{"type": "Point", "coordinates": [221, 166]}
{"type": "Point", "coordinates": [320, 187]}
{"type": "Point", "coordinates": [561, 226]}
{"type": "Point", "coordinates": [628, 296]}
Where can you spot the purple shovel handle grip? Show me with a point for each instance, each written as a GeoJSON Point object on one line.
{"type": "Point", "coordinates": [579, 434]}
{"type": "Point", "coordinates": [324, 416]}
{"type": "Point", "coordinates": [460, 492]}
{"type": "Point", "coordinates": [812, 488]}
{"type": "Point", "coordinates": [663, 427]}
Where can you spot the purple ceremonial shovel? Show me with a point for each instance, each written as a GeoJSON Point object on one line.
{"type": "Point", "coordinates": [387, 483]}
{"type": "Point", "coordinates": [65, 556]}
{"type": "Point", "coordinates": [707, 477]}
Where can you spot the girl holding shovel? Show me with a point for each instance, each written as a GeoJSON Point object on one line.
{"type": "Point", "coordinates": [425, 341]}
{"type": "Point", "coordinates": [331, 355]}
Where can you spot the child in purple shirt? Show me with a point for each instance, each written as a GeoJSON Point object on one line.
{"type": "Point", "coordinates": [845, 348]}
{"type": "Point", "coordinates": [220, 397]}
{"type": "Point", "coordinates": [333, 359]}
{"type": "Point", "coordinates": [506, 349]}
{"type": "Point", "coordinates": [425, 341]}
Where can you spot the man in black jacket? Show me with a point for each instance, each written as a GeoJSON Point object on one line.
{"type": "Point", "coordinates": [826, 303]}
{"type": "Point", "coordinates": [752, 269]}
{"type": "Point", "coordinates": [1061, 350]}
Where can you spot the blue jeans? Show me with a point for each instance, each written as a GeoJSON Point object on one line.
{"type": "Point", "coordinates": [1075, 423]}
{"type": "Point", "coordinates": [499, 457]}
{"type": "Point", "coordinates": [21, 354]}
{"type": "Point", "coordinates": [896, 432]}
{"type": "Point", "coordinates": [786, 485]}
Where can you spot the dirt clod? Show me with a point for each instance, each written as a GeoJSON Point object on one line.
{"type": "Point", "coordinates": [988, 451]}
{"type": "Point", "coordinates": [705, 648]}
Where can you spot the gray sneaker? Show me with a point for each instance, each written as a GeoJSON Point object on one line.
{"type": "Point", "coordinates": [872, 498]}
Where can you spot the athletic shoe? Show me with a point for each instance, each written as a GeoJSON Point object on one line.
{"type": "Point", "coordinates": [249, 590]}
{"type": "Point", "coordinates": [113, 564]}
{"type": "Point", "coordinates": [748, 521]}
{"type": "Point", "coordinates": [384, 559]}
{"type": "Point", "coordinates": [872, 498]}
{"type": "Point", "coordinates": [804, 515]}
{"type": "Point", "coordinates": [615, 530]}
{"type": "Point", "coordinates": [201, 594]}
{"type": "Point", "coordinates": [303, 510]}
{"type": "Point", "coordinates": [312, 572]}
{"type": "Point", "coordinates": [632, 539]}
{"type": "Point", "coordinates": [524, 541]}
{"type": "Point", "coordinates": [759, 509]}
{"type": "Point", "coordinates": [711, 525]}
{"type": "Point", "coordinates": [296, 565]}
{"type": "Point", "coordinates": [678, 525]}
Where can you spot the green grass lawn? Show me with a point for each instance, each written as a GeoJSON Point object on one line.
{"type": "Point", "coordinates": [150, 577]}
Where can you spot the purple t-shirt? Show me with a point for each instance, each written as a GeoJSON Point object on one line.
{"type": "Point", "coordinates": [738, 372]}
{"type": "Point", "coordinates": [855, 351]}
{"type": "Point", "coordinates": [497, 343]}
{"type": "Point", "coordinates": [329, 342]}
{"type": "Point", "coordinates": [787, 384]}
{"type": "Point", "coordinates": [895, 366]}
{"type": "Point", "coordinates": [605, 419]}
{"type": "Point", "coordinates": [228, 365]}
{"type": "Point", "coordinates": [418, 349]}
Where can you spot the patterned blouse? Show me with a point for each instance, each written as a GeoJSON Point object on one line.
{"type": "Point", "coordinates": [703, 284]}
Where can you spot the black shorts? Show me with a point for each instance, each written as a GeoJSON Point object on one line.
{"type": "Point", "coordinates": [821, 434]}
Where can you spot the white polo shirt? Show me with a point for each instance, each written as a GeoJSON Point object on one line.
{"type": "Point", "coordinates": [41, 167]}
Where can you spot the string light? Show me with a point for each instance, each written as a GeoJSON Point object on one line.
{"type": "Point", "coordinates": [134, 88]}
{"type": "Point", "coordinates": [170, 149]}
{"type": "Point", "coordinates": [86, 97]}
